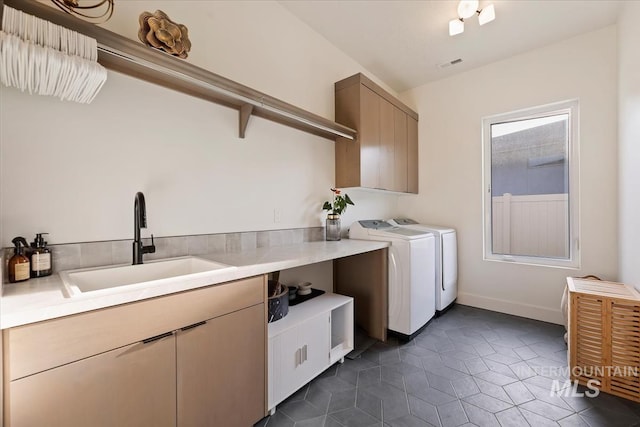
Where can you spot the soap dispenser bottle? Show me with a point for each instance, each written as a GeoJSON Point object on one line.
{"type": "Point", "coordinates": [40, 257]}
{"type": "Point", "coordinates": [19, 263]}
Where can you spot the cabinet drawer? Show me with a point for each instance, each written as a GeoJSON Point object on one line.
{"type": "Point", "coordinates": [34, 348]}
{"type": "Point", "coordinates": [131, 386]}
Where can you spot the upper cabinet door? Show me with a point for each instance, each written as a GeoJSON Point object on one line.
{"type": "Point", "coordinates": [385, 153]}
{"type": "Point", "coordinates": [412, 156]}
{"type": "Point", "coordinates": [369, 137]}
{"type": "Point", "coordinates": [387, 145]}
{"type": "Point", "coordinates": [400, 149]}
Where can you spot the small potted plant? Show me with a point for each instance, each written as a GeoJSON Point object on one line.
{"type": "Point", "coordinates": [335, 209]}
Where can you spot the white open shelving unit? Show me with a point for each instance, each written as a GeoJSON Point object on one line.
{"type": "Point", "coordinates": [313, 336]}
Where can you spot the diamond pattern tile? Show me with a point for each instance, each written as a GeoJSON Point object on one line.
{"type": "Point", "coordinates": [475, 366]}
{"type": "Point", "coordinates": [301, 410]}
{"type": "Point", "coordinates": [465, 387]}
{"type": "Point", "coordinates": [369, 403]}
{"type": "Point", "coordinates": [342, 400]}
{"type": "Point", "coordinates": [468, 367]}
{"type": "Point", "coordinates": [487, 402]}
{"type": "Point", "coordinates": [452, 414]}
{"type": "Point", "coordinates": [409, 421]}
{"type": "Point", "coordinates": [511, 417]}
{"type": "Point", "coordinates": [493, 390]}
{"type": "Point", "coordinates": [354, 417]}
{"type": "Point", "coordinates": [574, 420]}
{"type": "Point", "coordinates": [518, 393]}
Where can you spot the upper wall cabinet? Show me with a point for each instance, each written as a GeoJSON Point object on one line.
{"type": "Point", "coordinates": [385, 152]}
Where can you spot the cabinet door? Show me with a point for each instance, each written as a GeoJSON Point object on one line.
{"type": "Point", "coordinates": [412, 155]}
{"type": "Point", "coordinates": [387, 145]}
{"type": "Point", "coordinates": [285, 359]}
{"type": "Point", "coordinates": [132, 386]}
{"type": "Point", "coordinates": [299, 355]}
{"type": "Point", "coordinates": [369, 136]}
{"type": "Point", "coordinates": [314, 347]}
{"type": "Point", "coordinates": [221, 370]}
{"type": "Point", "coordinates": [400, 150]}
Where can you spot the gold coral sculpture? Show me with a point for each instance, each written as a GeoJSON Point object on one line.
{"type": "Point", "coordinates": [159, 31]}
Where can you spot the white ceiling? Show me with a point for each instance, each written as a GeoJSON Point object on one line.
{"type": "Point", "coordinates": [402, 42]}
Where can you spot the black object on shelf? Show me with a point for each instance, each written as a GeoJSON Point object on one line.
{"type": "Point", "coordinates": [278, 301]}
{"type": "Point", "coordinates": [302, 298]}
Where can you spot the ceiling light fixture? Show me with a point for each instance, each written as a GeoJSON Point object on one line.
{"type": "Point", "coordinates": [468, 8]}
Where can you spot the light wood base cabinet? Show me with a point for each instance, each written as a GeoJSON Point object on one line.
{"type": "Point", "coordinates": [195, 358]}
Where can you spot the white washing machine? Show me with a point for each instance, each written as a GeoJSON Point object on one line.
{"type": "Point", "coordinates": [446, 260]}
{"type": "Point", "coordinates": [411, 279]}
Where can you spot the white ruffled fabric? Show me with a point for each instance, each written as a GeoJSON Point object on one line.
{"type": "Point", "coordinates": [45, 59]}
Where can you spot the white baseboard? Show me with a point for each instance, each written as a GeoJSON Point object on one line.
{"type": "Point", "coordinates": [511, 307]}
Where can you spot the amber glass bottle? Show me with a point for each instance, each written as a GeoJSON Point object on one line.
{"type": "Point", "coordinates": [19, 263]}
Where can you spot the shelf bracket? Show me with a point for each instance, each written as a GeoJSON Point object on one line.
{"type": "Point", "coordinates": [245, 114]}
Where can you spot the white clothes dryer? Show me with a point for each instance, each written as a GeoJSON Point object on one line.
{"type": "Point", "coordinates": [411, 279]}
{"type": "Point", "coordinates": [446, 260]}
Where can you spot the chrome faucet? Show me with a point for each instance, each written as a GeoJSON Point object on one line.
{"type": "Point", "coordinates": [140, 221]}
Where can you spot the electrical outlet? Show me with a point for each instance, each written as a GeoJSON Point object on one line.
{"type": "Point", "coordinates": [277, 215]}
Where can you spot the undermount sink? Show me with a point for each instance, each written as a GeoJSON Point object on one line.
{"type": "Point", "coordinates": [86, 280]}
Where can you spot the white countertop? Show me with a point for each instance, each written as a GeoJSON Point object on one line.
{"type": "Point", "coordinates": [43, 299]}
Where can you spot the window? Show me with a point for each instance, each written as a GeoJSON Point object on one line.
{"type": "Point", "coordinates": [531, 186]}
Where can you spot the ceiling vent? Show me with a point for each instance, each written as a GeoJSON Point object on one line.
{"type": "Point", "coordinates": [450, 63]}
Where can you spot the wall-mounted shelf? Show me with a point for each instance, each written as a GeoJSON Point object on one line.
{"type": "Point", "coordinates": [131, 57]}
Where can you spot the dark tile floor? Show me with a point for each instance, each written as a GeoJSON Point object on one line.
{"type": "Point", "coordinates": [468, 367]}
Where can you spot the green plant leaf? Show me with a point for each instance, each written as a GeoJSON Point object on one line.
{"type": "Point", "coordinates": [348, 199]}
{"type": "Point", "coordinates": [326, 206]}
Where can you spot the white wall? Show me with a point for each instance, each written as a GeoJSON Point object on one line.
{"type": "Point", "coordinates": [73, 170]}
{"type": "Point", "coordinates": [451, 164]}
{"type": "Point", "coordinates": [629, 143]}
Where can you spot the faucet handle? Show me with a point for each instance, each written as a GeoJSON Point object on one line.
{"type": "Point", "coordinates": [151, 249]}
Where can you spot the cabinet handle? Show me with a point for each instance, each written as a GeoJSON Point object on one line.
{"type": "Point", "coordinates": [304, 352]}
{"type": "Point", "coordinates": [195, 325]}
{"type": "Point", "coordinates": [157, 337]}
{"type": "Point", "coordinates": [298, 357]}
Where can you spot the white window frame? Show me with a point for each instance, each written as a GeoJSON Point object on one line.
{"type": "Point", "coordinates": [570, 107]}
